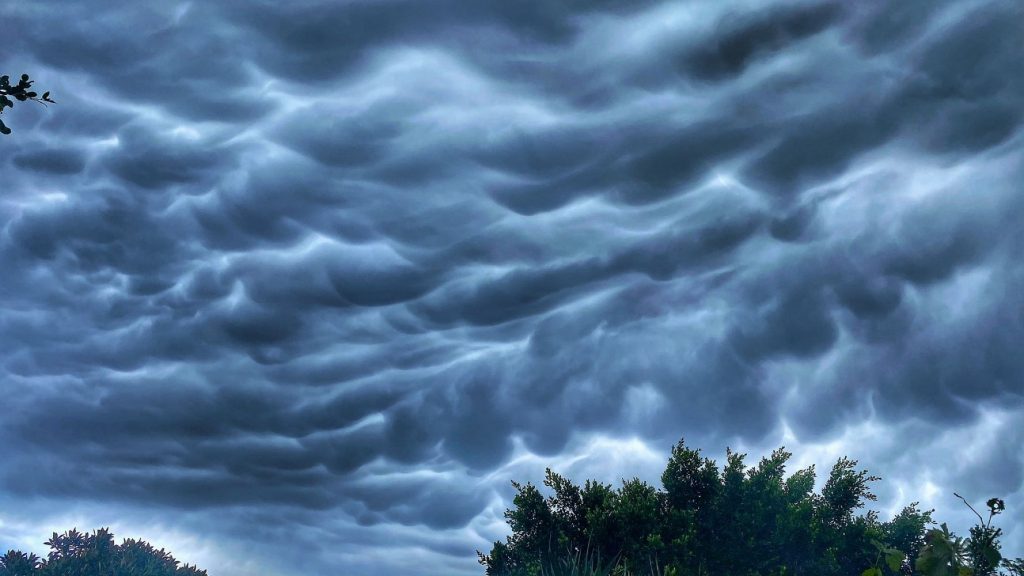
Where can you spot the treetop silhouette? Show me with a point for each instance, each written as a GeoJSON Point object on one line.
{"type": "Point", "coordinates": [75, 553]}
{"type": "Point", "coordinates": [734, 520]}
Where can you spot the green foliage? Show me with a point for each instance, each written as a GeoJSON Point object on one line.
{"type": "Point", "coordinates": [1014, 567]}
{"type": "Point", "coordinates": [734, 520]}
{"type": "Point", "coordinates": [906, 532]}
{"type": "Point", "coordinates": [636, 513]}
{"type": "Point", "coordinates": [945, 553]}
{"type": "Point", "coordinates": [17, 563]}
{"type": "Point", "coordinates": [890, 557]}
{"type": "Point", "coordinates": [581, 564]}
{"type": "Point", "coordinates": [21, 92]}
{"type": "Point", "coordinates": [75, 553]}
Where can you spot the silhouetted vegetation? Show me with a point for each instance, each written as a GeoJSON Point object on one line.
{"type": "Point", "coordinates": [76, 553]}
{"type": "Point", "coordinates": [735, 521]}
{"type": "Point", "coordinates": [21, 92]}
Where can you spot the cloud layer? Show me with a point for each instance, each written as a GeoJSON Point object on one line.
{"type": "Point", "coordinates": [310, 282]}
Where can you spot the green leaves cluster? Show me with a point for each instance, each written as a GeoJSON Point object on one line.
{"type": "Point", "coordinates": [944, 555]}
{"type": "Point", "coordinates": [893, 558]}
{"type": "Point", "coordinates": [21, 92]}
{"type": "Point", "coordinates": [82, 554]}
{"type": "Point", "coordinates": [734, 520]}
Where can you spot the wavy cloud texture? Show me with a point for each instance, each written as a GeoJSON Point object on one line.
{"type": "Point", "coordinates": [302, 286]}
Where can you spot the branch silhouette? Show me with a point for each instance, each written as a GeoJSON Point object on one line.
{"type": "Point", "coordinates": [21, 92]}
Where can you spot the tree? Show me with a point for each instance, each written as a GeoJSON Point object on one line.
{"type": "Point", "coordinates": [906, 533]}
{"type": "Point", "coordinates": [637, 513]}
{"type": "Point", "coordinates": [21, 92]}
{"type": "Point", "coordinates": [736, 521]}
{"type": "Point", "coordinates": [17, 563]}
{"type": "Point", "coordinates": [82, 554]}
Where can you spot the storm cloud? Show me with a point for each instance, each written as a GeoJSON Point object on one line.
{"type": "Point", "coordinates": [308, 283]}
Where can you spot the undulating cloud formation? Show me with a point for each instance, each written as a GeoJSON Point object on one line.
{"type": "Point", "coordinates": [297, 287]}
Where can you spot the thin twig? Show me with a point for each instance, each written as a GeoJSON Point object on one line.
{"type": "Point", "coordinates": [980, 519]}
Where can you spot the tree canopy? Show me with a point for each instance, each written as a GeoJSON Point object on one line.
{"type": "Point", "coordinates": [75, 553]}
{"type": "Point", "coordinates": [736, 520]}
{"type": "Point", "coordinates": [21, 92]}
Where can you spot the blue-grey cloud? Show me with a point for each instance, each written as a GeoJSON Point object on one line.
{"type": "Point", "coordinates": [324, 276]}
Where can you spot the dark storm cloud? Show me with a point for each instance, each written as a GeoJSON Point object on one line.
{"type": "Point", "coordinates": [52, 161]}
{"type": "Point", "coordinates": [348, 266]}
{"type": "Point", "coordinates": [741, 39]}
{"type": "Point", "coordinates": [126, 54]}
{"type": "Point", "coordinates": [314, 41]}
{"type": "Point", "coordinates": [152, 161]}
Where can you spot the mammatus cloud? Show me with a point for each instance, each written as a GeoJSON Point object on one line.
{"type": "Point", "coordinates": [323, 277]}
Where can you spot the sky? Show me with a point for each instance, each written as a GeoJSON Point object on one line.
{"type": "Point", "coordinates": [297, 288]}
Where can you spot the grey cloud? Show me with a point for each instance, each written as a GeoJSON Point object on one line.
{"type": "Point", "coordinates": [880, 29]}
{"type": "Point", "coordinates": [685, 156]}
{"type": "Point", "coordinates": [742, 38]}
{"type": "Point", "coordinates": [92, 234]}
{"type": "Point", "coordinates": [344, 138]}
{"type": "Point", "coordinates": [799, 324]}
{"type": "Point", "coordinates": [128, 56]}
{"type": "Point", "coordinates": [439, 501]}
{"type": "Point", "coordinates": [322, 41]}
{"type": "Point", "coordinates": [54, 161]}
{"type": "Point", "coordinates": [478, 432]}
{"type": "Point", "coordinates": [816, 148]}
{"type": "Point", "coordinates": [963, 92]}
{"type": "Point", "coordinates": [153, 161]}
{"type": "Point", "coordinates": [870, 297]}
{"type": "Point", "coordinates": [530, 291]}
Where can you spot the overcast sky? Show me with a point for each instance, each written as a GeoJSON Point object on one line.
{"type": "Point", "coordinates": [296, 288]}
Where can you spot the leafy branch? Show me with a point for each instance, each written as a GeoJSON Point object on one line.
{"type": "Point", "coordinates": [21, 92]}
{"type": "Point", "coordinates": [893, 559]}
{"type": "Point", "coordinates": [949, 555]}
